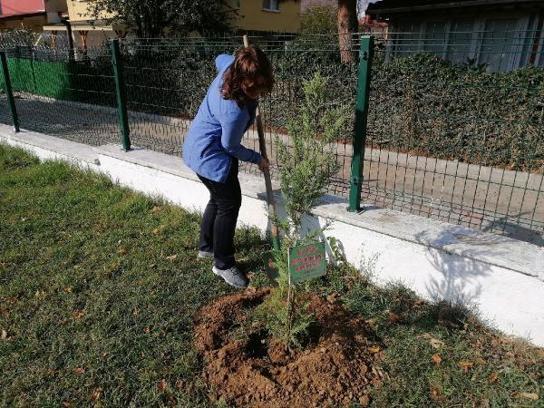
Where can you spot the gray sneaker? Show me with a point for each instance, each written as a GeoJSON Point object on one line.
{"type": "Point", "coordinates": [233, 276]}
{"type": "Point", "coordinates": [204, 255]}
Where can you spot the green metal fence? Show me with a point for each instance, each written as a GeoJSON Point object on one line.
{"type": "Point", "coordinates": [70, 99]}
{"type": "Point", "coordinates": [449, 140]}
{"type": "Point", "coordinates": [457, 140]}
{"type": "Point", "coordinates": [7, 85]}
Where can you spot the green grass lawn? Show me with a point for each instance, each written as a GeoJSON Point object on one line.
{"type": "Point", "coordinates": [99, 285]}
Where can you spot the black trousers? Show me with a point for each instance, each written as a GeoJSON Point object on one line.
{"type": "Point", "coordinates": [219, 221]}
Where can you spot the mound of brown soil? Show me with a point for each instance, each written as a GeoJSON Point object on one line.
{"type": "Point", "coordinates": [252, 370]}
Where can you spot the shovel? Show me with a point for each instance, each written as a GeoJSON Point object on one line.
{"type": "Point", "coordinates": [271, 203]}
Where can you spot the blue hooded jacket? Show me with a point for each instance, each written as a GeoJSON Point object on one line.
{"type": "Point", "coordinates": [216, 131]}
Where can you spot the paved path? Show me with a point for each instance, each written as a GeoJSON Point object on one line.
{"type": "Point", "coordinates": [477, 196]}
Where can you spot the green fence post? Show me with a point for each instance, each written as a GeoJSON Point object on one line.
{"type": "Point", "coordinates": [361, 113]}
{"type": "Point", "coordinates": [9, 91]}
{"type": "Point", "coordinates": [120, 90]}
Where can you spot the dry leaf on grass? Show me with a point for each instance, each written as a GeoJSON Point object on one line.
{"type": "Point", "coordinates": [3, 335]}
{"type": "Point", "coordinates": [466, 365]}
{"type": "Point", "coordinates": [96, 394]}
{"type": "Point", "coordinates": [493, 377]}
{"type": "Point", "coordinates": [436, 393]}
{"type": "Point", "coordinates": [434, 342]}
{"type": "Point", "coordinates": [436, 359]}
{"type": "Point", "coordinates": [374, 349]}
{"type": "Point", "coordinates": [171, 257]}
{"type": "Point", "coordinates": [79, 370]}
{"type": "Point", "coordinates": [393, 317]}
{"type": "Point", "coordinates": [527, 395]}
{"type": "Point", "coordinates": [78, 314]}
{"type": "Point", "coordinates": [371, 323]}
{"type": "Point", "coordinates": [40, 294]}
{"type": "Point", "coordinates": [162, 385]}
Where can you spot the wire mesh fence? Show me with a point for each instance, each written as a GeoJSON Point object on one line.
{"type": "Point", "coordinates": [457, 141]}
{"type": "Point", "coordinates": [449, 137]}
{"type": "Point", "coordinates": [166, 82]}
{"type": "Point", "coordinates": [71, 99]}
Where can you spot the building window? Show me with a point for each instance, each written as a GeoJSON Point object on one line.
{"type": "Point", "coordinates": [501, 44]}
{"type": "Point", "coordinates": [540, 55]}
{"type": "Point", "coordinates": [435, 37]}
{"type": "Point", "coordinates": [461, 41]}
{"type": "Point", "coordinates": [498, 46]}
{"type": "Point", "coordinates": [407, 39]}
{"type": "Point", "coordinates": [271, 5]}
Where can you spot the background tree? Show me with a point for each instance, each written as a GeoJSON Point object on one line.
{"type": "Point", "coordinates": [319, 20]}
{"type": "Point", "coordinates": [339, 18]}
{"type": "Point", "coordinates": [157, 18]}
{"type": "Point", "coordinates": [347, 24]}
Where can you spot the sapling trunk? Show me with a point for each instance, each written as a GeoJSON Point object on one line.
{"type": "Point", "coordinates": [289, 311]}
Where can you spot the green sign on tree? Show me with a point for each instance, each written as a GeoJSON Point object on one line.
{"type": "Point", "coordinates": [307, 262]}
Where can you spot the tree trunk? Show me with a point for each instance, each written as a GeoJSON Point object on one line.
{"type": "Point", "coordinates": [347, 24]}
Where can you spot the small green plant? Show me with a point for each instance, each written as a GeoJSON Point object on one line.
{"type": "Point", "coordinates": [306, 165]}
{"type": "Point", "coordinates": [307, 160]}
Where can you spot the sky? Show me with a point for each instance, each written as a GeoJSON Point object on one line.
{"type": "Point", "coordinates": [363, 4]}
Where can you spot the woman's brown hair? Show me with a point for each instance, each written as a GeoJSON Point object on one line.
{"type": "Point", "coordinates": [251, 70]}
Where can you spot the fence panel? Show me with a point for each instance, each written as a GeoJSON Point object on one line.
{"type": "Point", "coordinates": [70, 99]}
{"type": "Point", "coordinates": [456, 141]}
{"type": "Point", "coordinates": [452, 136]}
{"type": "Point", "coordinates": [295, 62]}
{"type": "Point", "coordinates": [166, 81]}
{"type": "Point", "coordinates": [8, 90]}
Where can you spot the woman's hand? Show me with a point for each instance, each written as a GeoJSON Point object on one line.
{"type": "Point", "coordinates": [264, 164]}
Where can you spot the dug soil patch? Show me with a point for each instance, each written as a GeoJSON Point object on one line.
{"type": "Point", "coordinates": [247, 368]}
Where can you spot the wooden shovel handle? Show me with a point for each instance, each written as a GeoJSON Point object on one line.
{"type": "Point", "coordinates": [267, 180]}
